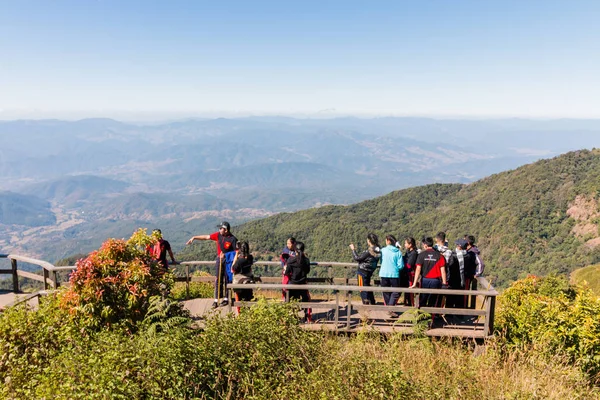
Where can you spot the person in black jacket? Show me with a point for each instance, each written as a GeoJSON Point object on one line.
{"type": "Point", "coordinates": [407, 275]}
{"type": "Point", "coordinates": [297, 269]}
{"type": "Point", "coordinates": [367, 264]}
{"type": "Point", "coordinates": [242, 271]}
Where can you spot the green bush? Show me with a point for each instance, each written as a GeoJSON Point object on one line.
{"type": "Point", "coordinates": [552, 317]}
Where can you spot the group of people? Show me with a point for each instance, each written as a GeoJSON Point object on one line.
{"type": "Point", "coordinates": [434, 266]}
{"type": "Point", "coordinates": [234, 265]}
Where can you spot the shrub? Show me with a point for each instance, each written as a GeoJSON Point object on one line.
{"type": "Point", "coordinates": [114, 283]}
{"type": "Point", "coordinates": [552, 317]}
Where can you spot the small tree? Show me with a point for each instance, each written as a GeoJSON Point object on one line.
{"type": "Point", "coordinates": [114, 284]}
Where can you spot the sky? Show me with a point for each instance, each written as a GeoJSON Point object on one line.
{"type": "Point", "coordinates": [443, 58]}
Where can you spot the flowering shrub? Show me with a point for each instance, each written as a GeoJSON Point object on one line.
{"type": "Point", "coordinates": [114, 283]}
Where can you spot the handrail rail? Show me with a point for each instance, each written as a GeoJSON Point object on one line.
{"type": "Point", "coordinates": [353, 288]}
{"type": "Point", "coordinates": [49, 275]}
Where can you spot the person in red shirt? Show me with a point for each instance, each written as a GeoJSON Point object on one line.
{"type": "Point", "coordinates": [160, 249]}
{"type": "Point", "coordinates": [226, 244]}
{"type": "Point", "coordinates": [431, 264]}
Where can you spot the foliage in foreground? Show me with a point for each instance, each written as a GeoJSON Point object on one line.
{"type": "Point", "coordinates": [549, 316]}
{"type": "Point", "coordinates": [261, 354]}
{"type": "Point", "coordinates": [114, 284]}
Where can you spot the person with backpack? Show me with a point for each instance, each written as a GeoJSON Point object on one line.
{"type": "Point", "coordinates": [367, 264]}
{"type": "Point", "coordinates": [297, 269]}
{"type": "Point", "coordinates": [389, 272]}
{"type": "Point", "coordinates": [431, 265]}
{"type": "Point", "coordinates": [226, 245]}
{"type": "Point", "coordinates": [471, 248]}
{"type": "Point", "coordinates": [242, 271]}
{"type": "Point", "coordinates": [160, 249]}
{"type": "Point", "coordinates": [474, 267]}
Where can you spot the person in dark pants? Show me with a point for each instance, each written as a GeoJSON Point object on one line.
{"type": "Point", "coordinates": [297, 269]}
{"type": "Point", "coordinates": [407, 275]}
{"type": "Point", "coordinates": [367, 264]}
{"type": "Point", "coordinates": [389, 272]}
{"type": "Point", "coordinates": [226, 244]}
{"type": "Point", "coordinates": [431, 265]}
{"type": "Point", "coordinates": [472, 263]}
{"type": "Point", "coordinates": [242, 271]}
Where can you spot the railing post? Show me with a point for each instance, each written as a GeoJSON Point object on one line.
{"type": "Point", "coordinates": [337, 309]}
{"type": "Point", "coordinates": [349, 310]}
{"type": "Point", "coordinates": [187, 281]}
{"type": "Point", "coordinates": [56, 282]}
{"type": "Point", "coordinates": [15, 275]}
{"type": "Point", "coordinates": [46, 278]}
{"type": "Point", "coordinates": [330, 277]}
{"type": "Point", "coordinates": [490, 309]}
{"type": "Point", "coordinates": [230, 299]}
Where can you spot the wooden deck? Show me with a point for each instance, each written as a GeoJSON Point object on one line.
{"type": "Point", "coordinates": [360, 320]}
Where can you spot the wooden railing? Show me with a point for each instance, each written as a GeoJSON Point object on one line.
{"type": "Point", "coordinates": [49, 276]}
{"type": "Point", "coordinates": [343, 299]}
{"type": "Point", "coordinates": [337, 288]}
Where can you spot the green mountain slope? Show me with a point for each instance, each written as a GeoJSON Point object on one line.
{"type": "Point", "coordinates": [539, 218]}
{"type": "Point", "coordinates": [24, 210]}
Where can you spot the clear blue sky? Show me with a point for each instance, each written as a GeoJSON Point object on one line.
{"type": "Point", "coordinates": [411, 57]}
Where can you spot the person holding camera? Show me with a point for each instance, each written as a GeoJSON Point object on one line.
{"type": "Point", "coordinates": [367, 264]}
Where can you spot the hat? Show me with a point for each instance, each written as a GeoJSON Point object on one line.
{"type": "Point", "coordinates": [225, 225]}
{"type": "Point", "coordinates": [462, 243]}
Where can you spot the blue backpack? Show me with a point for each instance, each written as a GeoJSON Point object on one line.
{"type": "Point", "coordinates": [229, 256]}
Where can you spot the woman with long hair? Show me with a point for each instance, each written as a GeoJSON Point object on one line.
{"type": "Point", "coordinates": [407, 275]}
{"type": "Point", "coordinates": [297, 269]}
{"type": "Point", "coordinates": [242, 271]}
{"type": "Point", "coordinates": [367, 264]}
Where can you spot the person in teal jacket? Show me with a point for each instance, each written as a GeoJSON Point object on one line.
{"type": "Point", "coordinates": [389, 272]}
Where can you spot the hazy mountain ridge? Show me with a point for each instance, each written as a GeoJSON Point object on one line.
{"type": "Point", "coordinates": [98, 172]}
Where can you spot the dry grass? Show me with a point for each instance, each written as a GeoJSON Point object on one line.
{"type": "Point", "coordinates": [588, 276]}
{"type": "Point", "coordinates": [444, 370]}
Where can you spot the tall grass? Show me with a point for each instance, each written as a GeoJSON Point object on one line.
{"type": "Point", "coordinates": [264, 354]}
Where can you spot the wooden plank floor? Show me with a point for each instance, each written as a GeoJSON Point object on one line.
{"type": "Point", "coordinates": [323, 320]}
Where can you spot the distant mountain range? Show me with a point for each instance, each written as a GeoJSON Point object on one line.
{"type": "Point", "coordinates": [77, 179]}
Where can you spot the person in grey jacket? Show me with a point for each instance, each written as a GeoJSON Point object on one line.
{"type": "Point", "coordinates": [367, 264]}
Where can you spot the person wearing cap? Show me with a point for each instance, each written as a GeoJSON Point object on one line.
{"type": "Point", "coordinates": [226, 245]}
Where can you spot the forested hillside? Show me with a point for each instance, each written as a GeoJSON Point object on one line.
{"type": "Point", "coordinates": [24, 210]}
{"type": "Point", "coordinates": [540, 218]}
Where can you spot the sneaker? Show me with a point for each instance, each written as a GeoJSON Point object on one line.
{"type": "Point", "coordinates": [214, 305]}
{"type": "Point", "coordinates": [224, 303]}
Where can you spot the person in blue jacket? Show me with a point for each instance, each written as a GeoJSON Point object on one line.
{"type": "Point", "coordinates": [389, 272]}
